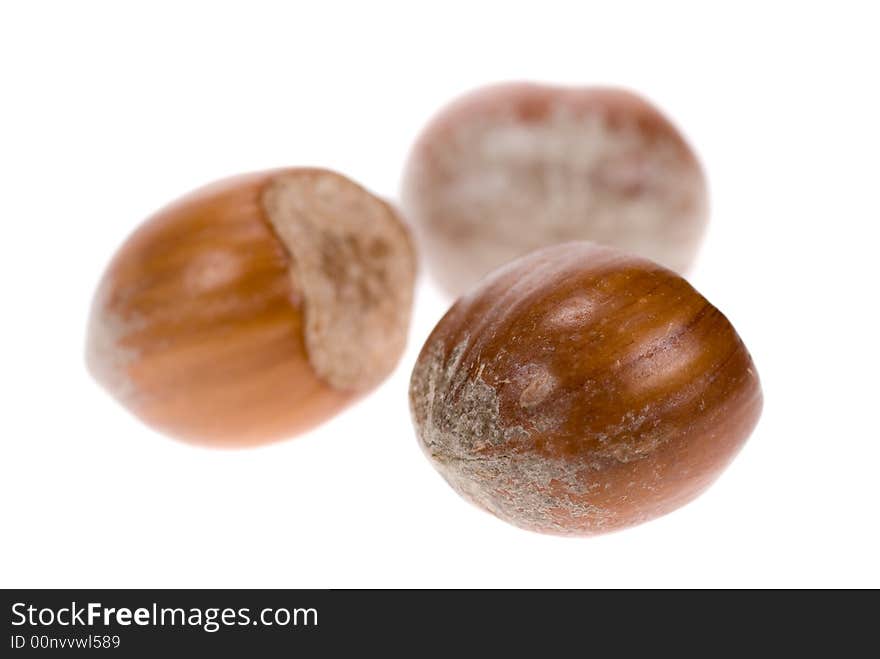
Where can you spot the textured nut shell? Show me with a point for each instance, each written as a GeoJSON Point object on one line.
{"type": "Point", "coordinates": [580, 390]}
{"type": "Point", "coordinates": [199, 323]}
{"type": "Point", "coordinates": [353, 261]}
{"type": "Point", "coordinates": [511, 168]}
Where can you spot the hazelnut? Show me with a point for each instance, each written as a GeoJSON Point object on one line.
{"type": "Point", "coordinates": [580, 390]}
{"type": "Point", "coordinates": [510, 168]}
{"type": "Point", "coordinates": [254, 308]}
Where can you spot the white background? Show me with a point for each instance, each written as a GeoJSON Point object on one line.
{"type": "Point", "coordinates": [111, 109]}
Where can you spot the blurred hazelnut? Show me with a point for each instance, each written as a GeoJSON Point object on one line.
{"type": "Point", "coordinates": [510, 168]}
{"type": "Point", "coordinates": [254, 308]}
{"type": "Point", "coordinates": [580, 390]}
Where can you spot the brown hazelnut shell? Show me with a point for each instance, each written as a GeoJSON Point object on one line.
{"type": "Point", "coordinates": [513, 167]}
{"type": "Point", "coordinates": [580, 390]}
{"type": "Point", "coordinates": [201, 323]}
